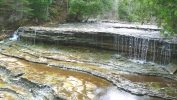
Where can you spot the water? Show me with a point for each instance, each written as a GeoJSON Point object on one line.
{"type": "Point", "coordinates": [139, 43]}
{"type": "Point", "coordinates": [112, 93]}
{"type": "Point", "coordinates": [35, 32]}
{"type": "Point", "coordinates": [130, 47]}
{"type": "Point", "coordinates": [66, 83]}
{"type": "Point", "coordinates": [143, 50]}
{"type": "Point", "coordinates": [51, 75]}
{"type": "Point", "coordinates": [15, 36]}
{"type": "Point", "coordinates": [70, 84]}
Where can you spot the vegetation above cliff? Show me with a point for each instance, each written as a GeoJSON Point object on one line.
{"type": "Point", "coordinates": [89, 8]}
{"type": "Point", "coordinates": [162, 11]}
{"type": "Point", "coordinates": [20, 12]}
{"type": "Point", "coordinates": [15, 13]}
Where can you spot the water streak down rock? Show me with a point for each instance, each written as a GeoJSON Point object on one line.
{"type": "Point", "coordinates": [136, 42]}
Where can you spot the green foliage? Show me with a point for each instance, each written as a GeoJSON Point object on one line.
{"type": "Point", "coordinates": [40, 8]}
{"type": "Point", "coordinates": [123, 12]}
{"type": "Point", "coordinates": [13, 12]}
{"type": "Point", "coordinates": [88, 8]}
{"type": "Point", "coordinates": [20, 10]}
{"type": "Point", "coordinates": [165, 12]}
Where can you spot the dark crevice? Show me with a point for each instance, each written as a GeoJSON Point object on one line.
{"type": "Point", "coordinates": [20, 96]}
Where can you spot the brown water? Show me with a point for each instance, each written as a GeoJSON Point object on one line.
{"type": "Point", "coordinates": [66, 83]}
{"type": "Point", "coordinates": [141, 78]}
{"type": "Point", "coordinates": [154, 81]}
{"type": "Point", "coordinates": [72, 84]}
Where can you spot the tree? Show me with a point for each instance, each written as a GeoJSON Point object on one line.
{"type": "Point", "coordinates": [123, 12]}
{"type": "Point", "coordinates": [88, 8]}
{"type": "Point", "coordinates": [19, 10]}
{"type": "Point", "coordinates": [163, 10]}
{"type": "Point", "coordinates": [13, 11]}
{"type": "Point", "coordinates": [40, 8]}
{"type": "Point", "coordinates": [3, 5]}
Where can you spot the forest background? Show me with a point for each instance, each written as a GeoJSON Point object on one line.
{"type": "Point", "coordinates": [15, 13]}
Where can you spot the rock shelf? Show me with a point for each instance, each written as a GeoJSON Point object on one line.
{"type": "Point", "coordinates": [141, 43]}
{"type": "Point", "coordinates": [39, 80]}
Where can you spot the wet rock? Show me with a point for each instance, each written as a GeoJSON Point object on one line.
{"type": "Point", "coordinates": [122, 59]}
{"type": "Point", "coordinates": [152, 64]}
{"type": "Point", "coordinates": [1, 95]}
{"type": "Point", "coordinates": [116, 56]}
{"type": "Point", "coordinates": [131, 43]}
{"type": "Point", "coordinates": [1, 42]}
{"type": "Point", "coordinates": [2, 49]}
{"type": "Point", "coordinates": [17, 73]}
{"type": "Point", "coordinates": [111, 93]}
{"type": "Point", "coordinates": [96, 68]}
{"type": "Point", "coordinates": [171, 68]}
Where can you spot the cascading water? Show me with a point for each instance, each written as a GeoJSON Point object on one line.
{"type": "Point", "coordinates": [135, 48]}
{"type": "Point", "coordinates": [128, 43]}
{"type": "Point", "coordinates": [138, 45]}
{"type": "Point", "coordinates": [35, 36]}
{"type": "Point", "coordinates": [138, 48]}
{"type": "Point", "coordinates": [111, 93]}
{"type": "Point", "coordinates": [130, 47]}
{"type": "Point", "coordinates": [15, 36]}
{"type": "Point", "coordinates": [166, 54]}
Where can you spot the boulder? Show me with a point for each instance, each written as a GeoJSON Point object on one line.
{"type": "Point", "coordinates": [171, 68]}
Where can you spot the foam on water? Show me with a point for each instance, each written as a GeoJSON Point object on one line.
{"type": "Point", "coordinates": [15, 36]}
{"type": "Point", "coordinates": [112, 93]}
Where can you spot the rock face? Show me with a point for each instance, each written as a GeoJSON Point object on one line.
{"type": "Point", "coordinates": [6, 34]}
{"type": "Point", "coordinates": [171, 68]}
{"type": "Point", "coordinates": [39, 73]}
{"type": "Point", "coordinates": [25, 80]}
{"type": "Point", "coordinates": [136, 42]}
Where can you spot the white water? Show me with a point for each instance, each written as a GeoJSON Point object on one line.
{"type": "Point", "coordinates": [139, 45]}
{"type": "Point", "coordinates": [112, 93]}
{"type": "Point", "coordinates": [35, 37]}
{"type": "Point", "coordinates": [15, 36]}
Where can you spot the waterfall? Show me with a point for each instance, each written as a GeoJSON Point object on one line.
{"type": "Point", "coordinates": [130, 47]}
{"type": "Point", "coordinates": [138, 49]}
{"type": "Point", "coordinates": [144, 49]}
{"type": "Point", "coordinates": [15, 36]}
{"type": "Point", "coordinates": [115, 42]}
{"type": "Point", "coordinates": [166, 54]}
{"type": "Point", "coordinates": [133, 44]}
{"type": "Point", "coordinates": [126, 46]}
{"type": "Point", "coordinates": [102, 41]}
{"type": "Point", "coordinates": [118, 43]}
{"type": "Point", "coordinates": [135, 48]}
{"type": "Point", "coordinates": [96, 40]}
{"type": "Point", "coordinates": [122, 45]}
{"type": "Point", "coordinates": [35, 36]}
{"type": "Point", "coordinates": [152, 51]}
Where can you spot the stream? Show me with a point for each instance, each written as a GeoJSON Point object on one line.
{"type": "Point", "coordinates": [31, 69]}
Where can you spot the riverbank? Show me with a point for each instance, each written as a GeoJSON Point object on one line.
{"type": "Point", "coordinates": [148, 80]}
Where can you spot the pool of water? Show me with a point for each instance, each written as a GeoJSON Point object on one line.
{"type": "Point", "coordinates": [70, 84]}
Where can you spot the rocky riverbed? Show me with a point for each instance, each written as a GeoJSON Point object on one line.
{"type": "Point", "coordinates": [50, 72]}
{"type": "Point", "coordinates": [140, 42]}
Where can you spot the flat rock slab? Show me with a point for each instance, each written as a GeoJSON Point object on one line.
{"type": "Point", "coordinates": [171, 68]}
{"type": "Point", "coordinates": [107, 66]}
{"type": "Point", "coordinates": [135, 30]}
